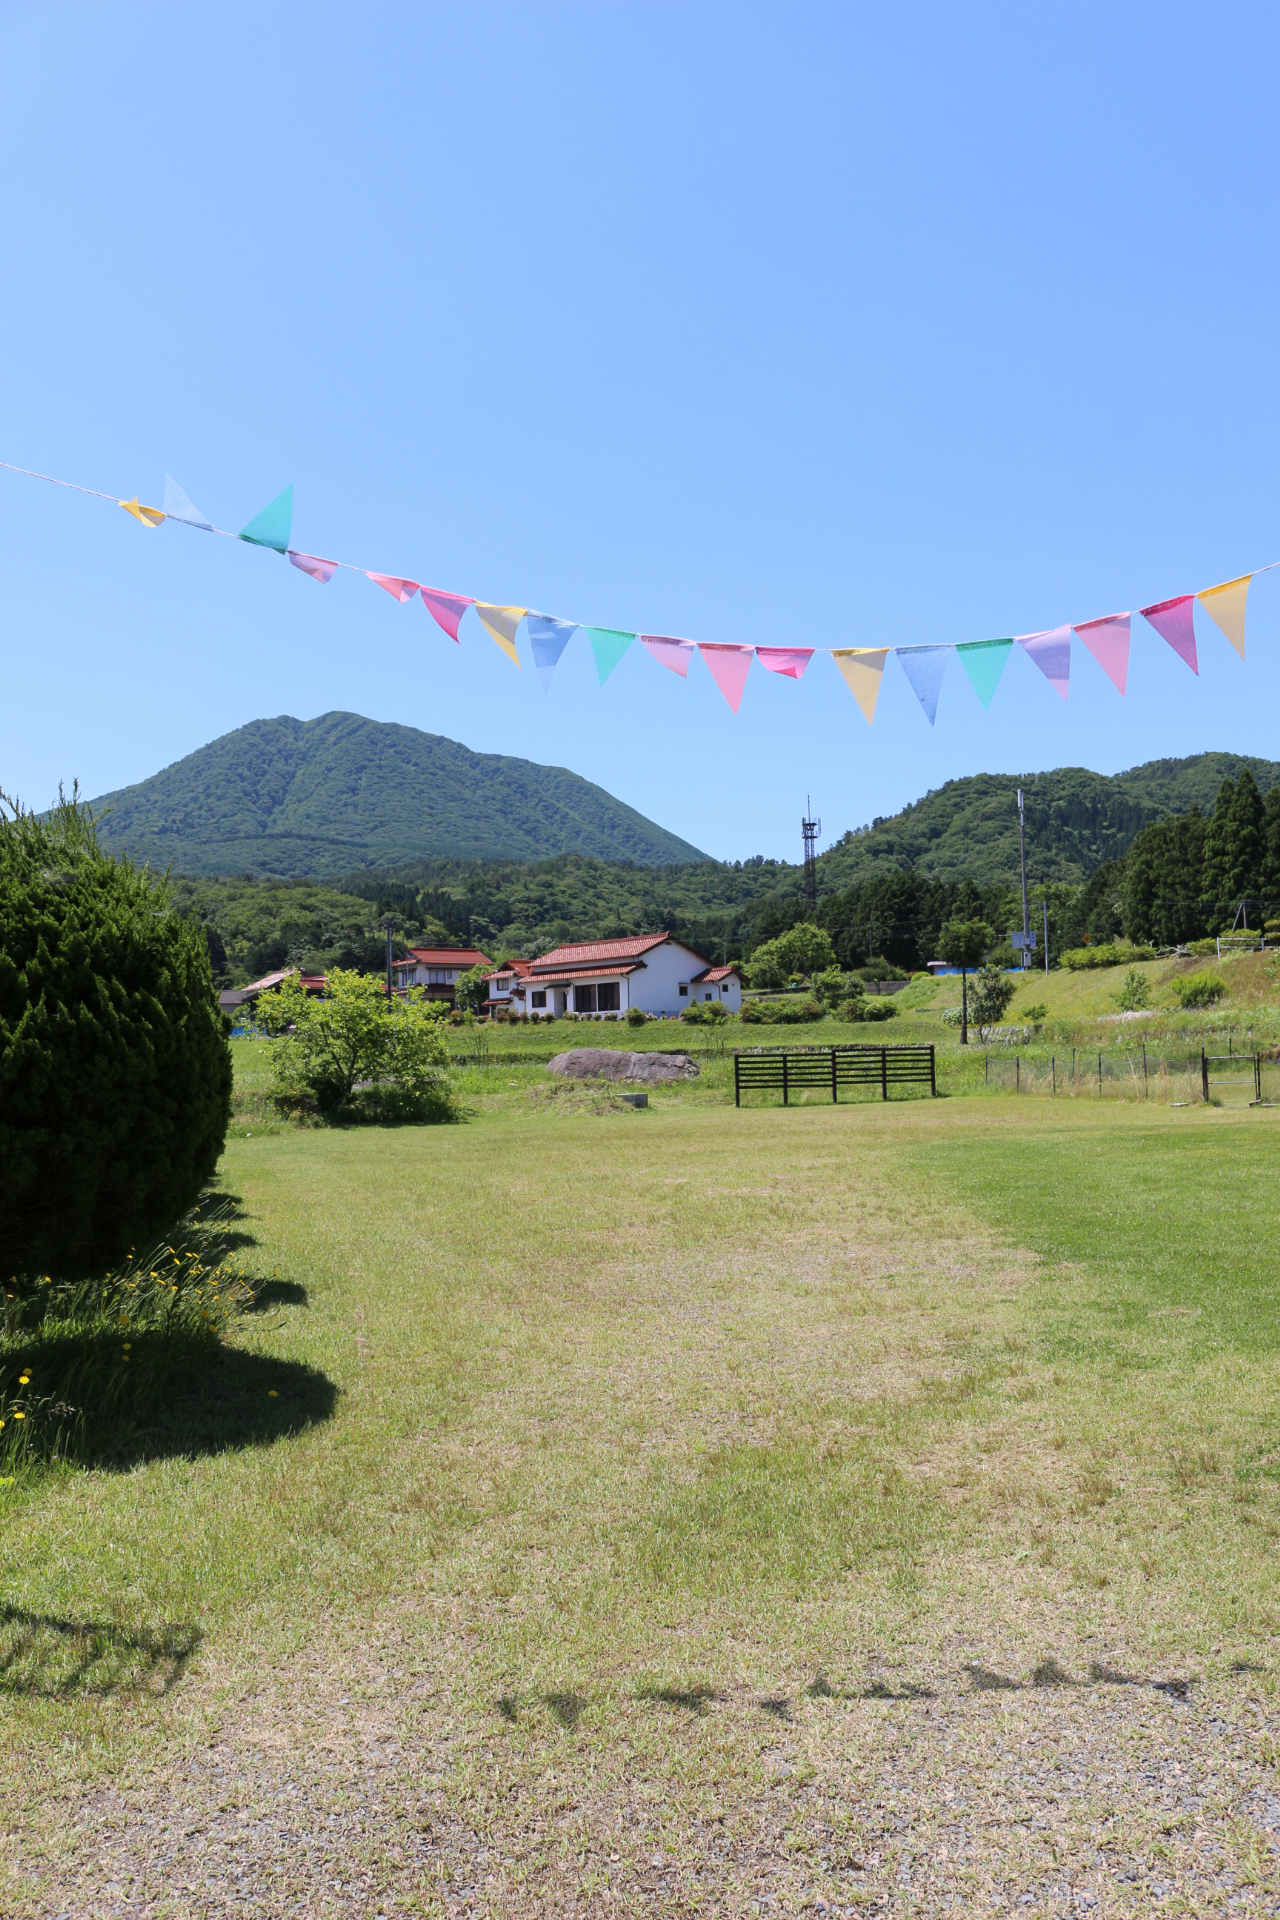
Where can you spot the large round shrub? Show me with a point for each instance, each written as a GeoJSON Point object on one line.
{"type": "Point", "coordinates": [115, 1072]}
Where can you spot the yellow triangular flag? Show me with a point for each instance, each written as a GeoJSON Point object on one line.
{"type": "Point", "coordinates": [862, 668]}
{"type": "Point", "coordinates": [147, 516]}
{"type": "Point", "coordinates": [1225, 607]}
{"type": "Point", "coordinates": [502, 623]}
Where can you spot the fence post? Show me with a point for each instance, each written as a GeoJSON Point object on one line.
{"type": "Point", "coordinates": [884, 1073]}
{"type": "Point", "coordinates": [1053, 1069]}
{"type": "Point", "coordinates": [1144, 1069]}
{"type": "Point", "coordinates": [986, 1070]}
{"type": "Point", "coordinates": [1099, 1076]}
{"type": "Point", "coordinates": [737, 1084]}
{"type": "Point", "coordinates": [784, 1080]}
{"type": "Point", "coordinates": [1257, 1076]}
{"type": "Point", "coordinates": [933, 1073]}
{"type": "Point", "coordinates": [833, 1076]}
{"type": "Point", "coordinates": [1204, 1074]}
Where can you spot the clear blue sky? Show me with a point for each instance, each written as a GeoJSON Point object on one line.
{"type": "Point", "coordinates": [841, 325]}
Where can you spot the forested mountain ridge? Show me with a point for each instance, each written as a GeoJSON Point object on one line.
{"type": "Point", "coordinates": [316, 798]}
{"type": "Point", "coordinates": [1077, 821]}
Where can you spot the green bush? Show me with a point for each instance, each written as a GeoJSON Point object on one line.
{"type": "Point", "coordinates": [1134, 991]}
{"type": "Point", "coordinates": [803, 949]}
{"type": "Point", "coordinates": [755, 1013]}
{"type": "Point", "coordinates": [989, 996]}
{"type": "Point", "coordinates": [636, 1016]}
{"type": "Point", "coordinates": [1203, 989]}
{"type": "Point", "coordinates": [355, 1035]}
{"type": "Point", "coordinates": [1115, 954]}
{"type": "Point", "coordinates": [831, 986]}
{"type": "Point", "coordinates": [695, 1014]}
{"type": "Point", "coordinates": [1032, 1015]}
{"type": "Point", "coordinates": [115, 1070]}
{"type": "Point", "coordinates": [868, 1008]}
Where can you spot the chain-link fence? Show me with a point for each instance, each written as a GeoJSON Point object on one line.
{"type": "Point", "coordinates": [1229, 1079]}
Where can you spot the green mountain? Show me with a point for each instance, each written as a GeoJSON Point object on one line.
{"type": "Point", "coordinates": [1076, 822]}
{"type": "Point", "coordinates": [324, 797]}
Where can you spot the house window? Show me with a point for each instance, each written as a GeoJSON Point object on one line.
{"type": "Point", "coordinates": [538, 998]}
{"type": "Point", "coordinates": [684, 988]}
{"type": "Point", "coordinates": [584, 999]}
{"type": "Point", "coordinates": [707, 994]}
{"type": "Point", "coordinates": [607, 997]}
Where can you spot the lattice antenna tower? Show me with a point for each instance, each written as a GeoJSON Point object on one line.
{"type": "Point", "coordinates": [809, 831]}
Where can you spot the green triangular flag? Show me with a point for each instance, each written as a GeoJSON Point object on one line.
{"type": "Point", "coordinates": [984, 661]}
{"type": "Point", "coordinates": [608, 645]}
{"type": "Point", "coordinates": [272, 527]}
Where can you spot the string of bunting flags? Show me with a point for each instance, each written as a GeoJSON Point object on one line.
{"type": "Point", "coordinates": [862, 668]}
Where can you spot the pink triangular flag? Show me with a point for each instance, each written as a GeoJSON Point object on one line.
{"type": "Point", "coordinates": [1174, 621]}
{"type": "Point", "coordinates": [1108, 642]}
{"type": "Point", "coordinates": [321, 570]}
{"type": "Point", "coordinates": [401, 590]}
{"type": "Point", "coordinates": [789, 660]}
{"type": "Point", "coordinates": [1051, 652]}
{"type": "Point", "coordinates": [445, 608]}
{"type": "Point", "coordinates": [729, 667]}
{"type": "Point", "coordinates": [670, 653]}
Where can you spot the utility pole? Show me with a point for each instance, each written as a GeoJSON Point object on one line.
{"type": "Point", "coordinates": [1022, 852]}
{"type": "Point", "coordinates": [809, 831]}
{"type": "Point", "coordinates": [389, 927]}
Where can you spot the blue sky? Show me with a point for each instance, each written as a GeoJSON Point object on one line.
{"type": "Point", "coordinates": [835, 326]}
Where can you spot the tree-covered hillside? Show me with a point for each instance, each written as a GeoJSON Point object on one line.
{"type": "Point", "coordinates": [316, 798]}
{"type": "Point", "coordinates": [1076, 821]}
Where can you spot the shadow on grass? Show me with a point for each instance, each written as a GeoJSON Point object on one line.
{"type": "Point", "coordinates": [182, 1396]}
{"type": "Point", "coordinates": [692, 1699]}
{"type": "Point", "coordinates": [41, 1655]}
{"type": "Point", "coordinates": [277, 1293]}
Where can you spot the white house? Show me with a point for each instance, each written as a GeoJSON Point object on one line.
{"type": "Point", "coordinates": [437, 969]}
{"type": "Point", "coordinates": [652, 971]}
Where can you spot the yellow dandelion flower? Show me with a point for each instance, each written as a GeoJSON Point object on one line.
{"type": "Point", "coordinates": [24, 1379]}
{"type": "Point", "coordinates": [19, 1416]}
{"type": "Point", "coordinates": [272, 1394]}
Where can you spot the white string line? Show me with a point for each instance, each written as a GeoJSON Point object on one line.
{"type": "Point", "coordinates": [347, 567]}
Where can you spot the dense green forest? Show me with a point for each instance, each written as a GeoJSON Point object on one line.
{"type": "Point", "coordinates": [1176, 876]}
{"type": "Point", "coordinates": [315, 798]}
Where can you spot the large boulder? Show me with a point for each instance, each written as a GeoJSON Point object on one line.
{"type": "Point", "coordinates": [603, 1063]}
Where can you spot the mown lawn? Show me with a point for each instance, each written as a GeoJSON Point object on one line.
{"type": "Point", "coordinates": [869, 1506]}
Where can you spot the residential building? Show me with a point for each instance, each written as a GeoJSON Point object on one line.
{"type": "Point", "coordinates": [505, 984]}
{"type": "Point", "coordinates": [652, 971]}
{"type": "Point", "coordinates": [437, 969]}
{"type": "Point", "coordinates": [233, 998]}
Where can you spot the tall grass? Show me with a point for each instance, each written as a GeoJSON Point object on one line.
{"type": "Point", "coordinates": [81, 1365]}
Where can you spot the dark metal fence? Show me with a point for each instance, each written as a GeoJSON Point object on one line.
{"type": "Point", "coordinates": [791, 1070]}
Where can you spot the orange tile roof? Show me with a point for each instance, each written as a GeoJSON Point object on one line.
{"type": "Point", "coordinates": [585, 954]}
{"type": "Point", "coordinates": [445, 957]}
{"type": "Point", "coordinates": [580, 975]}
{"type": "Point", "coordinates": [713, 974]}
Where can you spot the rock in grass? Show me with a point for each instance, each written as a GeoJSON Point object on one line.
{"type": "Point", "coordinates": [602, 1063]}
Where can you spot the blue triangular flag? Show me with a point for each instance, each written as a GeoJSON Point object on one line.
{"type": "Point", "coordinates": [548, 638]}
{"type": "Point", "coordinates": [272, 527]}
{"type": "Point", "coordinates": [924, 668]}
{"type": "Point", "coordinates": [177, 506]}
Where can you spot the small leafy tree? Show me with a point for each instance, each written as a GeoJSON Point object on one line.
{"type": "Point", "coordinates": [1134, 991]}
{"type": "Point", "coordinates": [963, 944]}
{"type": "Point", "coordinates": [354, 1035]}
{"type": "Point", "coordinates": [472, 987]}
{"type": "Point", "coordinates": [992, 992]}
{"type": "Point", "coordinates": [802, 949]}
{"type": "Point", "coordinates": [115, 1072]}
{"type": "Point", "coordinates": [831, 986]}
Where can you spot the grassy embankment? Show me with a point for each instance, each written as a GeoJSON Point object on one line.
{"type": "Point", "coordinates": [714, 1506]}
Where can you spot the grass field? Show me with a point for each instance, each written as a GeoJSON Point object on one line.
{"type": "Point", "coordinates": [714, 1512]}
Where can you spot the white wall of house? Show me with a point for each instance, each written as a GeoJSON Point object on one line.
{"type": "Point", "coordinates": [655, 986]}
